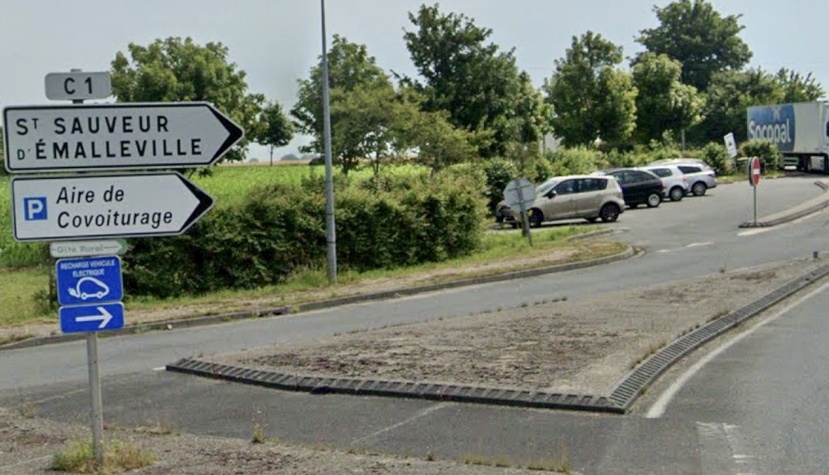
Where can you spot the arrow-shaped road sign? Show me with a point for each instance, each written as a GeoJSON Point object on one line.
{"type": "Point", "coordinates": [91, 318]}
{"type": "Point", "coordinates": [88, 248]}
{"type": "Point", "coordinates": [87, 206]}
{"type": "Point", "coordinates": [116, 136]}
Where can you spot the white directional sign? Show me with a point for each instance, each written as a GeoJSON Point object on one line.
{"type": "Point", "coordinates": [75, 207]}
{"type": "Point", "coordinates": [78, 86]}
{"type": "Point", "coordinates": [88, 248]}
{"type": "Point", "coordinates": [116, 136]}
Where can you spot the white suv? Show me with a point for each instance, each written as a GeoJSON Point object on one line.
{"type": "Point", "coordinates": [676, 184]}
{"type": "Point", "coordinates": [700, 176]}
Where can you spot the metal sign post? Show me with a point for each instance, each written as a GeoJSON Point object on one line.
{"type": "Point", "coordinates": [521, 193]}
{"type": "Point", "coordinates": [94, 137]}
{"type": "Point", "coordinates": [754, 172]}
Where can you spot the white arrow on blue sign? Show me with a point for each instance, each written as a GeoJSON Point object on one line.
{"type": "Point", "coordinates": [85, 281]}
{"type": "Point", "coordinates": [91, 318]}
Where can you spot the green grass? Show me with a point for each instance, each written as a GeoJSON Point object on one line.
{"type": "Point", "coordinates": [18, 286]}
{"type": "Point", "coordinates": [18, 305]}
{"type": "Point", "coordinates": [118, 457]}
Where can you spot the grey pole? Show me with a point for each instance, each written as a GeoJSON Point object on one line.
{"type": "Point", "coordinates": [330, 232]}
{"type": "Point", "coordinates": [97, 409]}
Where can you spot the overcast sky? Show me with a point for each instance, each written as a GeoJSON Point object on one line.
{"type": "Point", "coordinates": [277, 41]}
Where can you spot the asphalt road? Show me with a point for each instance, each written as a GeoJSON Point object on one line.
{"type": "Point", "coordinates": [694, 237]}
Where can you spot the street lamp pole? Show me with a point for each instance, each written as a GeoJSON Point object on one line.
{"type": "Point", "coordinates": [330, 232]}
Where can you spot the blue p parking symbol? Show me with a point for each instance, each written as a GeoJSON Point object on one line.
{"type": "Point", "coordinates": [34, 209]}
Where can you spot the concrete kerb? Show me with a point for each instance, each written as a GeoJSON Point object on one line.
{"type": "Point", "coordinates": [804, 209]}
{"type": "Point", "coordinates": [328, 303]}
{"type": "Point", "coordinates": [619, 401]}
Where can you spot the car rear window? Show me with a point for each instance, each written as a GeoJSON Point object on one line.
{"type": "Point", "coordinates": [689, 169]}
{"type": "Point", "coordinates": [663, 172]}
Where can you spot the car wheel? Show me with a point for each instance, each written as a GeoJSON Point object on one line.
{"type": "Point", "coordinates": [654, 199]}
{"type": "Point", "coordinates": [677, 193]}
{"type": "Point", "coordinates": [536, 218]}
{"type": "Point", "coordinates": [699, 188]}
{"type": "Point", "coordinates": [609, 213]}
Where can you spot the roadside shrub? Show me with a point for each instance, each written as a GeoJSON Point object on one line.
{"type": "Point", "coordinates": [499, 172]}
{"type": "Point", "coordinates": [767, 151]}
{"type": "Point", "coordinates": [716, 156]}
{"type": "Point", "coordinates": [278, 230]}
{"type": "Point", "coordinates": [574, 161]}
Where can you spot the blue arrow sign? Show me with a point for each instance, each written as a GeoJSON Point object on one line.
{"type": "Point", "coordinates": [86, 280]}
{"type": "Point", "coordinates": [91, 318]}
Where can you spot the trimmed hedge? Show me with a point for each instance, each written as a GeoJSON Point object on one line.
{"type": "Point", "coordinates": [278, 230]}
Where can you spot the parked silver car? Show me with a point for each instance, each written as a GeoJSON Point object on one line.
{"type": "Point", "coordinates": [571, 197]}
{"type": "Point", "coordinates": [701, 177]}
{"type": "Point", "coordinates": [675, 181]}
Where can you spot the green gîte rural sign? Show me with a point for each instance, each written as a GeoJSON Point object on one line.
{"type": "Point", "coordinates": [88, 248]}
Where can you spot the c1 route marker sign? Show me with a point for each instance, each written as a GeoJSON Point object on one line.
{"type": "Point", "coordinates": [116, 136]}
{"type": "Point", "coordinates": [52, 208]}
{"type": "Point", "coordinates": [78, 85]}
{"type": "Point", "coordinates": [91, 318]}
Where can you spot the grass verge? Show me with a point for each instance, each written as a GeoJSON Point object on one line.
{"type": "Point", "coordinates": [503, 251]}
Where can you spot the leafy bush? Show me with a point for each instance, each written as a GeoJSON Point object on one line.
{"type": "Point", "coordinates": [767, 151]}
{"type": "Point", "coordinates": [499, 172]}
{"type": "Point", "coordinates": [716, 156]}
{"type": "Point", "coordinates": [277, 230]}
{"type": "Point", "coordinates": [575, 161]}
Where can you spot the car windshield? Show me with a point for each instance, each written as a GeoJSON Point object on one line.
{"type": "Point", "coordinates": [545, 187]}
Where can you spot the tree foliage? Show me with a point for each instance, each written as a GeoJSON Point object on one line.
{"type": "Point", "coordinates": [696, 35]}
{"type": "Point", "coordinates": [472, 80]}
{"type": "Point", "coordinates": [274, 129]}
{"type": "Point", "coordinates": [799, 88]}
{"type": "Point", "coordinates": [350, 71]}
{"type": "Point", "coordinates": [591, 99]}
{"type": "Point", "coordinates": [366, 119]}
{"type": "Point", "coordinates": [731, 93]}
{"type": "Point", "coordinates": [181, 70]}
{"type": "Point", "coordinates": [663, 103]}
{"type": "Point", "coordinates": [430, 136]}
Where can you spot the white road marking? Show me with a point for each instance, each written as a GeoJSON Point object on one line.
{"type": "Point", "coordinates": [723, 450]}
{"type": "Point", "coordinates": [420, 414]}
{"type": "Point", "coordinates": [752, 232]}
{"type": "Point", "coordinates": [700, 244]}
{"type": "Point", "coordinates": [160, 368]}
{"type": "Point", "coordinates": [660, 406]}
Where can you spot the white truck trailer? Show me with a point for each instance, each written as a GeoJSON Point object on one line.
{"type": "Point", "coordinates": [800, 130]}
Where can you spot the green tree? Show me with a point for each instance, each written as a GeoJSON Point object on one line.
{"type": "Point", "coordinates": [274, 128]}
{"type": "Point", "coordinates": [731, 93]}
{"type": "Point", "coordinates": [591, 99]}
{"type": "Point", "coordinates": [799, 88]}
{"type": "Point", "coordinates": [349, 68]}
{"type": "Point", "coordinates": [181, 70]}
{"type": "Point", "coordinates": [430, 136]}
{"type": "Point", "coordinates": [696, 35]}
{"type": "Point", "coordinates": [476, 83]}
{"type": "Point", "coordinates": [663, 103]}
{"type": "Point", "coordinates": [365, 118]}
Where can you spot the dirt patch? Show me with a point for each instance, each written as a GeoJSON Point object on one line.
{"type": "Point", "coordinates": [27, 445]}
{"type": "Point", "coordinates": [582, 346]}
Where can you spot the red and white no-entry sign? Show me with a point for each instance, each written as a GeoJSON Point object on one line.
{"type": "Point", "coordinates": [754, 171]}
